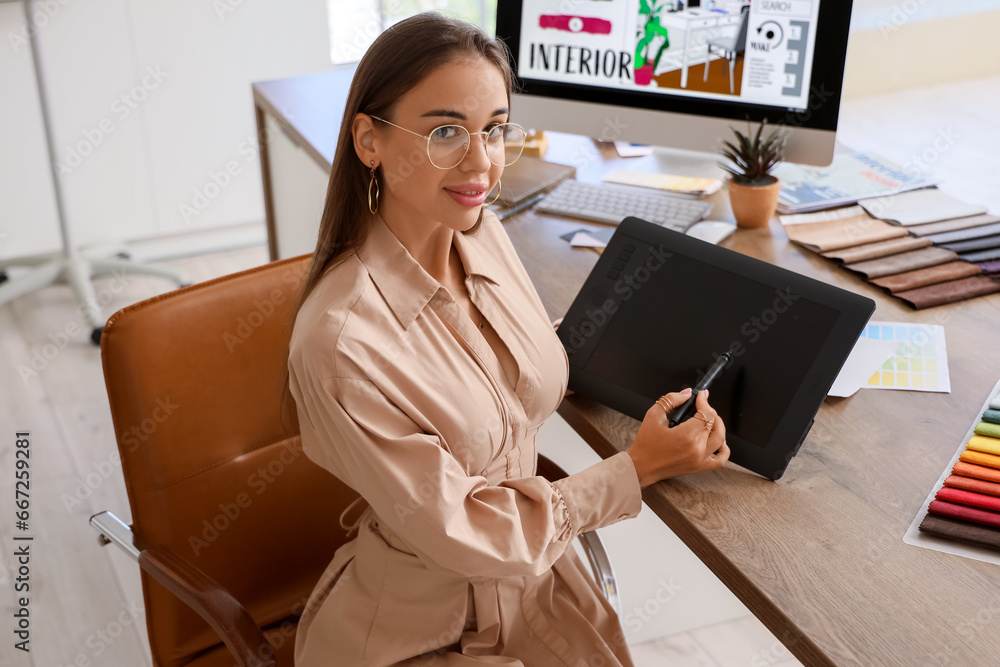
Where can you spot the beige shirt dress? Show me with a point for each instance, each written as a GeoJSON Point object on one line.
{"type": "Point", "coordinates": [462, 555]}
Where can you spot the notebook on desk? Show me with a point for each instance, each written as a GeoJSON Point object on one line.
{"type": "Point", "coordinates": [528, 177]}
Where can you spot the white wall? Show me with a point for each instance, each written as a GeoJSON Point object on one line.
{"type": "Point", "coordinates": [149, 99]}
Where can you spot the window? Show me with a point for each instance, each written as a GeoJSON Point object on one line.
{"type": "Point", "coordinates": [354, 24]}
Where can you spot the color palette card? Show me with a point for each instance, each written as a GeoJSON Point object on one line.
{"type": "Point", "coordinates": [917, 538]}
{"type": "Point", "coordinates": [920, 361]}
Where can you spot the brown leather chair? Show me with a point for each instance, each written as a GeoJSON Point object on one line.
{"type": "Point", "coordinates": [231, 524]}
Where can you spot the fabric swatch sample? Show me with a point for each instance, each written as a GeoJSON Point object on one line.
{"type": "Point", "coordinates": [995, 403]}
{"type": "Point", "coordinates": [969, 245]}
{"type": "Point", "coordinates": [988, 429]}
{"type": "Point", "coordinates": [843, 233]}
{"type": "Point", "coordinates": [949, 292]}
{"type": "Point", "coordinates": [981, 255]}
{"type": "Point", "coordinates": [970, 484]}
{"type": "Point", "coordinates": [976, 471]}
{"type": "Point", "coordinates": [974, 514]}
{"type": "Point", "coordinates": [980, 443]}
{"type": "Point", "coordinates": [954, 224]}
{"type": "Point", "coordinates": [963, 234]}
{"type": "Point", "coordinates": [932, 275]}
{"type": "Point", "coordinates": [860, 253]}
{"type": "Point", "coordinates": [989, 266]}
{"type": "Point", "coordinates": [917, 207]}
{"type": "Point", "coordinates": [980, 458]}
{"type": "Point", "coordinates": [992, 416]}
{"type": "Point", "coordinates": [970, 498]}
{"type": "Point", "coordinates": [907, 261]}
{"type": "Point", "coordinates": [956, 529]}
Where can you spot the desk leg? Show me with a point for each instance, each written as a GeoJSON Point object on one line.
{"type": "Point", "coordinates": [265, 172]}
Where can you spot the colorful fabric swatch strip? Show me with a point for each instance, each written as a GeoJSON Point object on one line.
{"type": "Point", "coordinates": [966, 507]}
{"type": "Point", "coordinates": [992, 416]}
{"type": "Point", "coordinates": [970, 484]}
{"type": "Point", "coordinates": [988, 429]}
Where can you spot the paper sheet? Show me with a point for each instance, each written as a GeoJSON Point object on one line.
{"type": "Point", "coordinates": [585, 240]}
{"type": "Point", "coordinates": [920, 362]}
{"type": "Point", "coordinates": [866, 358]}
{"type": "Point", "coordinates": [821, 216]}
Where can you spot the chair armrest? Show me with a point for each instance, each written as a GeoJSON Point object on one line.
{"type": "Point", "coordinates": [212, 602]}
{"type": "Point", "coordinates": [592, 545]}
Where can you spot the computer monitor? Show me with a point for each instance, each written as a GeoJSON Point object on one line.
{"type": "Point", "coordinates": [783, 60]}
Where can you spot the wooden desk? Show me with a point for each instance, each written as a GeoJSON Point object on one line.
{"type": "Point", "coordinates": [817, 556]}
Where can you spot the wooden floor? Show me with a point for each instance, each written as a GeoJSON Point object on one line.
{"type": "Point", "coordinates": [86, 603]}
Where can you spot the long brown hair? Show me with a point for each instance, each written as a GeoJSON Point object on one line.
{"type": "Point", "coordinates": [399, 59]}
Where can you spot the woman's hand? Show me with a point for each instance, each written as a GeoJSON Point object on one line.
{"type": "Point", "coordinates": [660, 452]}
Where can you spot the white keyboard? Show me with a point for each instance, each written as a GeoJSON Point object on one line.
{"type": "Point", "coordinates": [612, 204]}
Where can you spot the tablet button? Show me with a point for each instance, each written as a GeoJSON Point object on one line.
{"type": "Point", "coordinates": [618, 266]}
{"type": "Point", "coordinates": [613, 275]}
{"type": "Point", "coordinates": [623, 256]}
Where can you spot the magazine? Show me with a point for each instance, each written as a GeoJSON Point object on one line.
{"type": "Point", "coordinates": [851, 177]}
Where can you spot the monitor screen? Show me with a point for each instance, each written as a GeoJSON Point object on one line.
{"type": "Point", "coordinates": [782, 60]}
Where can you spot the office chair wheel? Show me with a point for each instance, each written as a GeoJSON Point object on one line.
{"type": "Point", "coordinates": [95, 335]}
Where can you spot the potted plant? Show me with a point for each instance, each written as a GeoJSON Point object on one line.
{"type": "Point", "coordinates": [753, 191]}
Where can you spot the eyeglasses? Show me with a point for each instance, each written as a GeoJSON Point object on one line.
{"type": "Point", "coordinates": [448, 145]}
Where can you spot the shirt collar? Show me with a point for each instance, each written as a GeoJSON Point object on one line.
{"type": "Point", "coordinates": [406, 287]}
{"type": "Point", "coordinates": [478, 254]}
{"type": "Point", "coordinates": [403, 283]}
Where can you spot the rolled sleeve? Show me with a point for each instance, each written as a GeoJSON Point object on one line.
{"type": "Point", "coordinates": [604, 493]}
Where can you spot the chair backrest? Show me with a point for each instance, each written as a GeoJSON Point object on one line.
{"type": "Point", "coordinates": [740, 43]}
{"type": "Point", "coordinates": [213, 468]}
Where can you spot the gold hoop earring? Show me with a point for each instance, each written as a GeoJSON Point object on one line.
{"type": "Point", "coordinates": [499, 188]}
{"type": "Point", "coordinates": [373, 209]}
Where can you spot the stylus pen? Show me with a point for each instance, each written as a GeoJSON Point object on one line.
{"type": "Point", "coordinates": [517, 208]}
{"type": "Point", "coordinates": [682, 412]}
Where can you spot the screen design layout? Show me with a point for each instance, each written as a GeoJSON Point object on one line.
{"type": "Point", "coordinates": [653, 47]}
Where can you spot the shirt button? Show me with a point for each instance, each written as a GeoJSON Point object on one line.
{"type": "Point", "coordinates": [622, 517]}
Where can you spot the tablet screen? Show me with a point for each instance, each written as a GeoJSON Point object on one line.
{"type": "Point", "coordinates": [774, 335]}
{"type": "Point", "coordinates": [660, 307]}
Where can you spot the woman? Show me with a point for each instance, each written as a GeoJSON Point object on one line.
{"type": "Point", "coordinates": [422, 364]}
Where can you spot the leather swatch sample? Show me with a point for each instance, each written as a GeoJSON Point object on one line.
{"type": "Point", "coordinates": [953, 224]}
{"type": "Point", "coordinates": [844, 233]}
{"type": "Point", "coordinates": [981, 255]}
{"type": "Point", "coordinates": [964, 234]}
{"type": "Point", "coordinates": [971, 484]}
{"type": "Point", "coordinates": [983, 243]}
{"type": "Point", "coordinates": [970, 498]}
{"type": "Point", "coordinates": [907, 261]}
{"type": "Point", "coordinates": [900, 282]}
{"type": "Point", "coordinates": [860, 253]}
{"type": "Point", "coordinates": [956, 529]}
{"type": "Point", "coordinates": [976, 471]}
{"type": "Point", "coordinates": [949, 292]}
{"type": "Point", "coordinates": [974, 514]}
